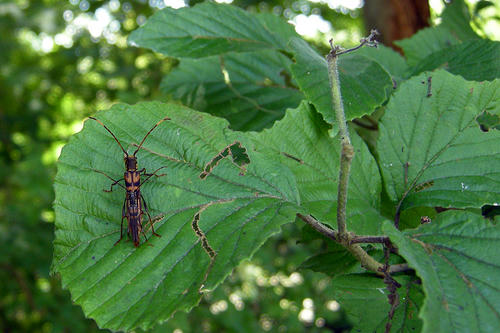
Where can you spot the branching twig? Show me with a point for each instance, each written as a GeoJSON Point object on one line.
{"type": "Point", "coordinates": [357, 251]}
{"type": "Point", "coordinates": [369, 41]}
{"type": "Point", "coordinates": [392, 286]}
{"type": "Point", "coordinates": [369, 239]}
{"type": "Point", "coordinates": [342, 236]}
{"type": "Point", "coordinates": [347, 151]}
{"type": "Point", "coordinates": [399, 268]}
{"type": "Point", "coordinates": [371, 126]}
{"type": "Point", "coordinates": [318, 226]}
{"type": "Point", "coordinates": [366, 260]}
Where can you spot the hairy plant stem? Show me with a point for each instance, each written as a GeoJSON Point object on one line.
{"type": "Point", "coordinates": [370, 239]}
{"type": "Point", "coordinates": [342, 236]}
{"type": "Point", "coordinates": [357, 251]}
{"type": "Point", "coordinates": [347, 151]}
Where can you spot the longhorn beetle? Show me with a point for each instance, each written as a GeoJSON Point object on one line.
{"type": "Point", "coordinates": [133, 204]}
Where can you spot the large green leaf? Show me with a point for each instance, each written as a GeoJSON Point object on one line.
{"type": "Point", "coordinates": [123, 287]}
{"type": "Point", "coordinates": [363, 82]}
{"type": "Point", "coordinates": [364, 298]}
{"type": "Point", "coordinates": [456, 18]}
{"type": "Point", "coordinates": [456, 258]}
{"type": "Point", "coordinates": [425, 42]}
{"type": "Point", "coordinates": [477, 60]}
{"type": "Point", "coordinates": [390, 60]}
{"type": "Point", "coordinates": [302, 142]}
{"type": "Point", "coordinates": [249, 89]}
{"type": "Point", "coordinates": [432, 150]}
{"type": "Point", "coordinates": [209, 29]}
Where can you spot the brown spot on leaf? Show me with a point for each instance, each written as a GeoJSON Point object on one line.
{"type": "Point", "coordinates": [423, 186]}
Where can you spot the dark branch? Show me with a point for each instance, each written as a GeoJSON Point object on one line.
{"type": "Point", "coordinates": [368, 41]}
{"type": "Point", "coordinates": [370, 239]}
{"type": "Point", "coordinates": [399, 268]}
{"type": "Point", "coordinates": [318, 226]}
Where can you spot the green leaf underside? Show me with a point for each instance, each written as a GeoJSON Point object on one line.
{"type": "Point", "coordinates": [474, 60]}
{"type": "Point", "coordinates": [364, 83]}
{"type": "Point", "coordinates": [248, 89]}
{"type": "Point", "coordinates": [364, 297]}
{"type": "Point", "coordinates": [457, 259]}
{"type": "Point", "coordinates": [210, 29]}
{"type": "Point", "coordinates": [123, 287]}
{"type": "Point", "coordinates": [432, 150]}
{"type": "Point", "coordinates": [313, 157]}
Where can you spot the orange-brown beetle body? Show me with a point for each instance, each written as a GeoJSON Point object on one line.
{"type": "Point", "coordinates": [134, 205]}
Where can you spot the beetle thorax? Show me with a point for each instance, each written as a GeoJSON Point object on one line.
{"type": "Point", "coordinates": [130, 163]}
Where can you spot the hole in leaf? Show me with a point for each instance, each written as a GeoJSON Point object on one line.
{"type": "Point", "coordinates": [238, 154]}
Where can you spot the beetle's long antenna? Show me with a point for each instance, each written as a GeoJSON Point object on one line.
{"type": "Point", "coordinates": [151, 130]}
{"type": "Point", "coordinates": [107, 129]}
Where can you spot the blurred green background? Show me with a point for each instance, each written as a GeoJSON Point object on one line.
{"type": "Point", "coordinates": [61, 61]}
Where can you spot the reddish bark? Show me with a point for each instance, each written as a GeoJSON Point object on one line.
{"type": "Point", "coordinates": [396, 19]}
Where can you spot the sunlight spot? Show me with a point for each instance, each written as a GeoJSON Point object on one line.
{"type": "Point", "coordinates": [77, 126]}
{"type": "Point", "coordinates": [437, 6]}
{"type": "Point", "coordinates": [296, 278]}
{"type": "Point", "coordinates": [284, 303]}
{"type": "Point", "coordinates": [68, 15]}
{"type": "Point", "coordinates": [85, 64]}
{"type": "Point", "coordinates": [333, 305]}
{"type": "Point", "coordinates": [218, 307]}
{"type": "Point", "coordinates": [48, 216]}
{"type": "Point", "coordinates": [50, 155]}
{"type": "Point", "coordinates": [114, 5]}
{"type": "Point", "coordinates": [47, 43]}
{"type": "Point", "coordinates": [341, 4]}
{"type": "Point", "coordinates": [64, 39]}
{"type": "Point", "coordinates": [43, 284]}
{"type": "Point", "coordinates": [308, 303]}
{"type": "Point", "coordinates": [84, 5]}
{"type": "Point", "coordinates": [237, 301]}
{"type": "Point", "coordinates": [174, 3]}
{"type": "Point", "coordinates": [320, 322]}
{"type": "Point", "coordinates": [265, 322]}
{"type": "Point", "coordinates": [306, 315]}
{"type": "Point", "coordinates": [311, 25]}
{"type": "Point", "coordinates": [227, 80]}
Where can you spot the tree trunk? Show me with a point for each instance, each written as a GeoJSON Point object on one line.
{"type": "Point", "coordinates": [396, 19]}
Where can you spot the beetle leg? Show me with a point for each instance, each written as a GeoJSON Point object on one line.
{"type": "Point", "coordinates": [124, 215]}
{"type": "Point", "coordinates": [149, 217]}
{"type": "Point", "coordinates": [116, 182]}
{"type": "Point", "coordinates": [149, 175]}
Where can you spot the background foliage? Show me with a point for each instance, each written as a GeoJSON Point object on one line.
{"type": "Point", "coordinates": [47, 89]}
